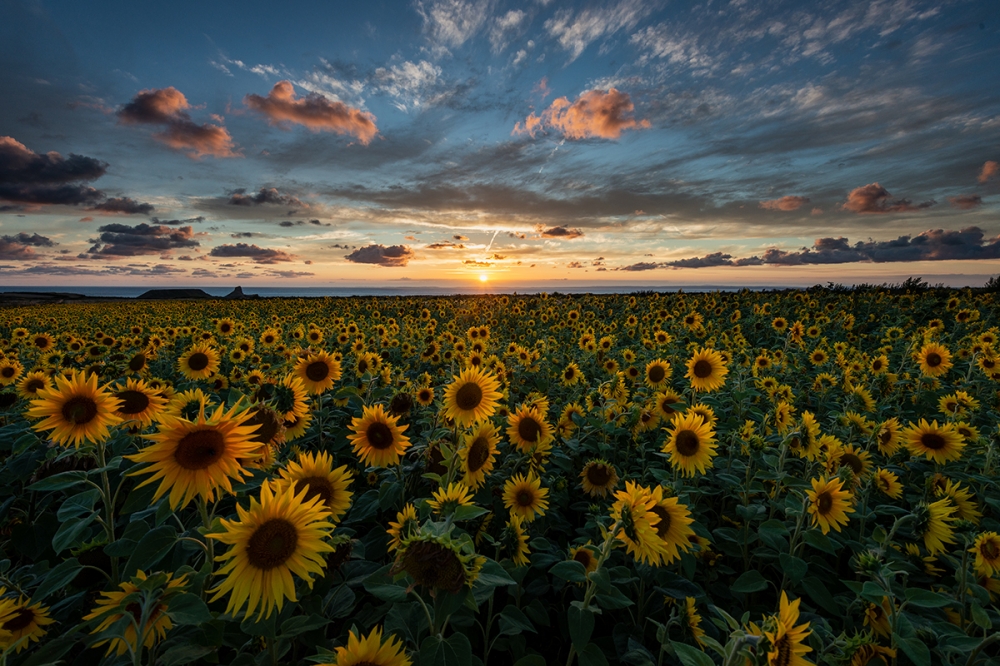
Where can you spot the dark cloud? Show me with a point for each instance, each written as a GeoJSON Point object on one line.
{"type": "Point", "coordinates": [874, 198]}
{"type": "Point", "coordinates": [313, 111]}
{"type": "Point", "coordinates": [168, 107]}
{"type": "Point", "coordinates": [122, 240]}
{"type": "Point", "coordinates": [29, 239]}
{"type": "Point", "coordinates": [641, 266]}
{"type": "Point", "coordinates": [444, 245]}
{"type": "Point", "coordinates": [260, 255]}
{"type": "Point", "coordinates": [786, 203]}
{"type": "Point", "coordinates": [30, 178]}
{"type": "Point", "coordinates": [65, 270]}
{"type": "Point", "coordinates": [714, 259]}
{"type": "Point", "coordinates": [265, 196]}
{"type": "Point", "coordinates": [177, 223]}
{"type": "Point", "coordinates": [393, 255]}
{"type": "Point", "coordinates": [123, 206]}
{"type": "Point", "coordinates": [560, 232]}
{"type": "Point", "coordinates": [966, 201]}
{"type": "Point", "coordinates": [11, 250]}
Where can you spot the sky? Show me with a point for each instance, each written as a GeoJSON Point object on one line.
{"type": "Point", "coordinates": [463, 141]}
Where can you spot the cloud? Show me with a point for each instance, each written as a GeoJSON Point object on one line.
{"type": "Point", "coordinates": [123, 206]}
{"type": "Point", "coordinates": [122, 240]}
{"type": "Point", "coordinates": [27, 177]}
{"type": "Point", "coordinates": [260, 255]}
{"type": "Point", "coordinates": [451, 23]}
{"type": "Point", "coordinates": [444, 245]}
{"type": "Point", "coordinates": [575, 32]}
{"type": "Point", "coordinates": [168, 107]}
{"type": "Point", "coordinates": [392, 255]}
{"type": "Point", "coordinates": [966, 201]}
{"type": "Point", "coordinates": [641, 266]}
{"type": "Point", "coordinates": [29, 239]}
{"type": "Point", "coordinates": [874, 198]}
{"type": "Point", "coordinates": [989, 171]}
{"type": "Point", "coordinates": [786, 203]}
{"type": "Point", "coordinates": [176, 223]}
{"type": "Point", "coordinates": [560, 232]}
{"type": "Point", "coordinates": [313, 111]}
{"type": "Point", "coordinates": [595, 113]}
{"type": "Point", "coordinates": [265, 196]}
{"type": "Point", "coordinates": [412, 84]}
{"type": "Point", "coordinates": [505, 28]}
{"type": "Point", "coordinates": [930, 245]}
{"type": "Point", "coordinates": [19, 246]}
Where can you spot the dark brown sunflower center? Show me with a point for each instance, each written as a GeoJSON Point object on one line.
{"type": "Point", "coordinates": [198, 361]}
{"type": "Point", "coordinates": [22, 619]}
{"type": "Point", "coordinates": [989, 550]}
{"type": "Point", "coordinates": [687, 443]}
{"type": "Point", "coordinates": [379, 435]}
{"type": "Point", "coordinates": [469, 396]}
{"type": "Point", "coordinates": [272, 544]}
{"type": "Point", "coordinates": [933, 441]}
{"type": "Point", "coordinates": [933, 359]}
{"type": "Point", "coordinates": [599, 475]}
{"type": "Point", "coordinates": [784, 649]}
{"type": "Point", "coordinates": [525, 497]}
{"type": "Point", "coordinates": [657, 373]}
{"type": "Point", "coordinates": [200, 449]}
{"type": "Point", "coordinates": [79, 410]}
{"type": "Point", "coordinates": [662, 527]}
{"type": "Point", "coordinates": [528, 429]}
{"type": "Point", "coordinates": [317, 371]}
{"type": "Point", "coordinates": [433, 565]}
{"type": "Point", "coordinates": [876, 365]}
{"type": "Point", "coordinates": [318, 486]}
{"type": "Point", "coordinates": [41, 342]}
{"type": "Point", "coordinates": [824, 501]}
{"type": "Point", "coordinates": [584, 557]}
{"type": "Point", "coordinates": [479, 453]}
{"type": "Point", "coordinates": [32, 385]}
{"type": "Point", "coordinates": [137, 362]}
{"type": "Point", "coordinates": [570, 373]}
{"type": "Point", "coordinates": [702, 369]}
{"type": "Point", "coordinates": [8, 371]}
{"type": "Point", "coordinates": [269, 426]}
{"type": "Point", "coordinates": [885, 436]}
{"type": "Point", "coordinates": [133, 402]}
{"type": "Point", "coordinates": [854, 462]}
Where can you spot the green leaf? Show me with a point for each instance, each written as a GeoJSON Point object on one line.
{"type": "Point", "coordinates": [513, 621]}
{"type": "Point", "coordinates": [750, 581]}
{"type": "Point", "coordinates": [592, 656]}
{"type": "Point", "coordinates": [981, 617]}
{"type": "Point", "coordinates": [185, 653]}
{"type": "Point", "coordinates": [915, 649]}
{"type": "Point", "coordinates": [70, 531]}
{"type": "Point", "coordinates": [774, 534]}
{"type": "Point", "coordinates": [57, 578]}
{"type": "Point", "coordinates": [795, 567]}
{"type": "Point", "coordinates": [151, 548]}
{"type": "Point", "coordinates": [59, 481]}
{"type": "Point", "coordinates": [384, 587]}
{"type": "Point", "coordinates": [691, 656]}
{"type": "Point", "coordinates": [468, 512]}
{"type": "Point", "coordinates": [581, 626]}
{"type": "Point", "coordinates": [570, 570]}
{"type": "Point", "coordinates": [531, 660]}
{"type": "Point", "coordinates": [927, 599]}
{"type": "Point", "coordinates": [613, 599]}
{"type": "Point", "coordinates": [819, 541]}
{"type": "Point", "coordinates": [493, 575]}
{"type": "Point", "coordinates": [453, 651]}
{"type": "Point", "coordinates": [301, 624]}
{"type": "Point", "coordinates": [78, 505]}
{"type": "Point", "coordinates": [188, 608]}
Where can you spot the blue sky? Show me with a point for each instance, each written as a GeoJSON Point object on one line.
{"type": "Point", "coordinates": [639, 142]}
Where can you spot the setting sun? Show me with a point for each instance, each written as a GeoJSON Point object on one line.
{"type": "Point", "coordinates": [483, 277]}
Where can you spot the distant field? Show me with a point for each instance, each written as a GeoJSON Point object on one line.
{"type": "Point", "coordinates": [784, 478]}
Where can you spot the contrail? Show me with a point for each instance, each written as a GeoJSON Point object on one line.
{"type": "Point", "coordinates": [491, 241]}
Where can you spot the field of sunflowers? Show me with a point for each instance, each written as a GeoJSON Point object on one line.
{"type": "Point", "coordinates": [779, 478]}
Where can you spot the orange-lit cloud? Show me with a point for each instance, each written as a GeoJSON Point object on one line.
{"type": "Point", "coordinates": [313, 111]}
{"type": "Point", "coordinates": [595, 114]}
{"type": "Point", "coordinates": [966, 201]}
{"type": "Point", "coordinates": [874, 198]}
{"type": "Point", "coordinates": [168, 107]}
{"type": "Point", "coordinates": [787, 203]}
{"type": "Point", "coordinates": [990, 170]}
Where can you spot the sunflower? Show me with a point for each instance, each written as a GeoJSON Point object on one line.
{"type": "Point", "coordinates": [111, 609]}
{"type": "Point", "coordinates": [199, 362]}
{"type": "Point", "coordinates": [297, 427]}
{"type": "Point", "coordinates": [76, 410]}
{"type": "Point", "coordinates": [437, 562]}
{"type": "Point", "coordinates": [888, 483]}
{"type": "Point", "coordinates": [707, 370]}
{"type": "Point", "coordinates": [691, 444]}
{"type": "Point", "coordinates": [657, 373]}
{"type": "Point", "coordinates": [187, 404]}
{"type": "Point", "coordinates": [571, 374]}
{"type": "Point", "coordinates": [933, 524]}
{"type": "Point", "coordinates": [877, 617]}
{"type": "Point", "coordinates": [857, 460]}
{"type": "Point", "coordinates": [673, 527]}
{"type": "Point", "coordinates": [586, 556]}
{"type": "Point", "coordinates": [828, 504]}
{"type": "Point", "coordinates": [315, 473]}
{"type": "Point", "coordinates": [29, 385]}
{"type": "Point", "coordinates": [934, 360]}
{"type": "Point", "coordinates": [371, 651]}
{"type": "Point", "coordinates": [632, 511]}
{"type": "Point", "coordinates": [872, 654]}
{"type": "Point", "coordinates": [471, 397]}
{"type": "Point", "coordinates": [963, 499]}
{"type": "Point", "coordinates": [938, 443]}
{"type": "Point", "coordinates": [479, 453]}
{"type": "Point", "coordinates": [786, 639]}
{"type": "Point", "coordinates": [197, 457]}
{"type": "Point", "coordinates": [598, 478]}
{"type": "Point", "coordinates": [987, 551]}
{"type": "Point", "coordinates": [279, 536]}
{"type": "Point", "coordinates": [10, 370]}
{"type": "Point", "coordinates": [692, 619]}
{"type": "Point", "coordinates": [888, 437]}
{"type": "Point", "coordinates": [527, 427]}
{"type": "Point", "coordinates": [425, 396]}
{"type": "Point", "coordinates": [405, 526]}
{"type": "Point", "coordinates": [446, 500]}
{"type": "Point", "coordinates": [23, 623]}
{"type": "Point", "coordinates": [665, 404]}
{"type": "Point", "coordinates": [516, 540]}
{"type": "Point", "coordinates": [318, 371]}
{"type": "Point", "coordinates": [139, 403]}
{"type": "Point", "coordinates": [525, 497]}
{"type": "Point", "coordinates": [377, 439]}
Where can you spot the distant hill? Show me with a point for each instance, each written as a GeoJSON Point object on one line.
{"type": "Point", "coordinates": [169, 294]}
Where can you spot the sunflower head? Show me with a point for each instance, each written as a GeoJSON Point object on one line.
{"type": "Point", "coordinates": [598, 478]}
{"type": "Point", "coordinates": [437, 562]}
{"type": "Point", "coordinates": [76, 410]}
{"type": "Point", "coordinates": [472, 396]}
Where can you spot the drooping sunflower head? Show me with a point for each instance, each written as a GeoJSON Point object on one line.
{"type": "Point", "coordinates": [377, 438]}
{"type": "Point", "coordinates": [75, 410]}
{"type": "Point", "coordinates": [632, 511]}
{"type": "Point", "coordinates": [598, 478]}
{"type": "Point", "coordinates": [933, 524]}
{"type": "Point", "coordinates": [514, 540]}
{"type": "Point", "coordinates": [673, 528]}
{"type": "Point", "coordinates": [787, 638]}
{"type": "Point", "coordinates": [407, 524]}
{"type": "Point", "coordinates": [472, 396]}
{"type": "Point", "coordinates": [437, 562]}
{"type": "Point", "coordinates": [112, 607]}
{"type": "Point", "coordinates": [888, 483]}
{"type": "Point", "coordinates": [22, 622]}
{"type": "Point", "coordinates": [586, 556]}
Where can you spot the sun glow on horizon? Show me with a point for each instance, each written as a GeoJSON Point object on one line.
{"type": "Point", "coordinates": [483, 277]}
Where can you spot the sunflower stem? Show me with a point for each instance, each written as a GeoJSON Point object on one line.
{"type": "Point", "coordinates": [109, 507]}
